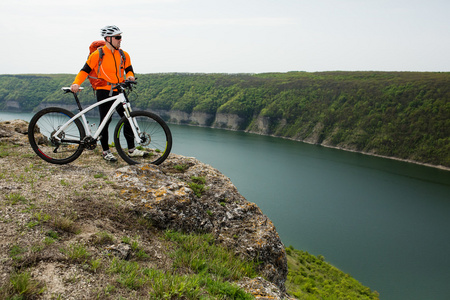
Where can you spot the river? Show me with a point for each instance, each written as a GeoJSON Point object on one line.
{"type": "Point", "coordinates": [385, 222]}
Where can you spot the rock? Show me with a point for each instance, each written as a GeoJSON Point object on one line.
{"type": "Point", "coordinates": [163, 195]}
{"type": "Point", "coordinates": [14, 132]}
{"type": "Point", "coordinates": [262, 289]}
{"type": "Point", "coordinates": [122, 251]}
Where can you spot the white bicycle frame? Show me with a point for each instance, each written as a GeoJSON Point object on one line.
{"type": "Point", "coordinates": [118, 99]}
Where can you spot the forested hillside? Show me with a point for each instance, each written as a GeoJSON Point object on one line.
{"type": "Point", "coordinates": [398, 114]}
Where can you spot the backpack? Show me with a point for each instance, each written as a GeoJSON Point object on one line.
{"type": "Point", "coordinates": [93, 75]}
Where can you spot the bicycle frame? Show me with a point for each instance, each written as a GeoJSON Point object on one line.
{"type": "Point", "coordinates": [118, 99]}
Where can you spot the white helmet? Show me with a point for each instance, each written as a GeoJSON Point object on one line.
{"type": "Point", "coordinates": [110, 31]}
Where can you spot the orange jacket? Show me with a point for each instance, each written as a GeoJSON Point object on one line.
{"type": "Point", "coordinates": [112, 68]}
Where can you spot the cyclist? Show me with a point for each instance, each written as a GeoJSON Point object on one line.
{"type": "Point", "coordinates": [114, 68]}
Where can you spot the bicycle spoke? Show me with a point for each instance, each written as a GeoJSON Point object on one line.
{"type": "Point", "coordinates": [42, 128]}
{"type": "Point", "coordinates": [155, 140]}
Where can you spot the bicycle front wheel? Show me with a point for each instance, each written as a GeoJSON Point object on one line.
{"type": "Point", "coordinates": [155, 138]}
{"type": "Point", "coordinates": [41, 129]}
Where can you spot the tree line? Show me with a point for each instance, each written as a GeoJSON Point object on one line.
{"type": "Point", "coordinates": [398, 114]}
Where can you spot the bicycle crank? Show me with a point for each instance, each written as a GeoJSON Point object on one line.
{"type": "Point", "coordinates": [89, 142]}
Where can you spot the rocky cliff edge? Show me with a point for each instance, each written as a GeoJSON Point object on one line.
{"type": "Point", "coordinates": [182, 194]}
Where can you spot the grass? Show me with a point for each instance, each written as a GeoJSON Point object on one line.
{"type": "Point", "coordinates": [130, 273]}
{"type": "Point", "coordinates": [181, 168]}
{"type": "Point", "coordinates": [200, 254]}
{"type": "Point", "coordinates": [16, 252]}
{"type": "Point", "coordinates": [312, 278]}
{"type": "Point", "coordinates": [65, 224]}
{"type": "Point", "coordinates": [201, 270]}
{"type": "Point", "coordinates": [197, 185]}
{"type": "Point", "coordinates": [3, 153]}
{"type": "Point", "coordinates": [100, 175]}
{"type": "Point", "coordinates": [52, 234]}
{"type": "Point", "coordinates": [64, 182]}
{"type": "Point", "coordinates": [213, 265]}
{"type": "Point", "coordinates": [41, 217]}
{"type": "Point", "coordinates": [5, 150]}
{"type": "Point", "coordinates": [25, 286]}
{"type": "Point", "coordinates": [103, 238]}
{"type": "Point", "coordinates": [38, 218]}
{"type": "Point", "coordinates": [76, 253]}
{"type": "Point", "coordinates": [15, 198]}
{"type": "Point", "coordinates": [137, 251]}
{"type": "Point", "coordinates": [95, 264]}
{"type": "Point", "coordinates": [21, 284]}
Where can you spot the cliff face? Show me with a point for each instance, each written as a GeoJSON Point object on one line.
{"type": "Point", "coordinates": [48, 211]}
{"type": "Point", "coordinates": [164, 197]}
{"type": "Point", "coordinates": [226, 121]}
{"type": "Point", "coordinates": [219, 120]}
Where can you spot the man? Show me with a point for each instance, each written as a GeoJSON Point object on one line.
{"type": "Point", "coordinates": [115, 67]}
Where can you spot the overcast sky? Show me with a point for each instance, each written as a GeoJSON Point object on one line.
{"type": "Point", "coordinates": [230, 36]}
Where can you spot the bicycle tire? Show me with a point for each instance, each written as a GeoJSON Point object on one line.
{"type": "Point", "coordinates": [156, 136]}
{"type": "Point", "coordinates": [48, 121]}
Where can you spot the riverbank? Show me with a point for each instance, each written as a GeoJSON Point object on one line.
{"type": "Point", "coordinates": [381, 156]}
{"type": "Point", "coordinates": [324, 145]}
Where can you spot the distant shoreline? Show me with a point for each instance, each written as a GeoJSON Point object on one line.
{"type": "Point", "coordinates": [391, 157]}
{"type": "Point", "coordinates": [440, 167]}
{"type": "Point", "coordinates": [444, 168]}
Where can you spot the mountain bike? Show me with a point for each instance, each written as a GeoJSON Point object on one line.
{"type": "Point", "coordinates": [59, 136]}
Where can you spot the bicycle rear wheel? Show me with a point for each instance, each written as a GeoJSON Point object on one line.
{"type": "Point", "coordinates": [44, 124]}
{"type": "Point", "coordinates": [156, 138]}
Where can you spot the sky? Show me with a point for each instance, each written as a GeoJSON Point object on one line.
{"type": "Point", "coordinates": [230, 36]}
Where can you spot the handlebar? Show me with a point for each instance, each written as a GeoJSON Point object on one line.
{"type": "Point", "coordinates": [122, 86]}
{"type": "Point", "coordinates": [67, 89]}
{"type": "Point", "coordinates": [127, 84]}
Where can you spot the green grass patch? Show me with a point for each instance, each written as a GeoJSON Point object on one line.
{"type": "Point", "coordinates": [103, 238]}
{"type": "Point", "coordinates": [181, 168]}
{"type": "Point", "coordinates": [76, 253]}
{"type": "Point", "coordinates": [130, 274]}
{"type": "Point", "coordinates": [100, 175]}
{"type": "Point", "coordinates": [202, 255]}
{"type": "Point", "coordinates": [312, 278]}
{"type": "Point", "coordinates": [15, 198]}
{"type": "Point", "coordinates": [197, 185]}
{"type": "Point", "coordinates": [7, 150]}
{"type": "Point", "coordinates": [201, 270]}
{"type": "Point", "coordinates": [64, 182]}
{"type": "Point", "coordinates": [21, 286]}
{"type": "Point", "coordinates": [16, 252]}
{"type": "Point", "coordinates": [161, 284]}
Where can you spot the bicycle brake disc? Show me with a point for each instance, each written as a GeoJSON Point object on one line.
{"type": "Point", "coordinates": [146, 139]}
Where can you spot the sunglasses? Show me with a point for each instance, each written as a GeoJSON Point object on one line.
{"type": "Point", "coordinates": [119, 37]}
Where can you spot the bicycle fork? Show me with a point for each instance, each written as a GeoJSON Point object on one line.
{"type": "Point", "coordinates": [133, 123]}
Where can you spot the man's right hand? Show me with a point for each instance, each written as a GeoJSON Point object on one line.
{"type": "Point", "coordinates": [75, 88]}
